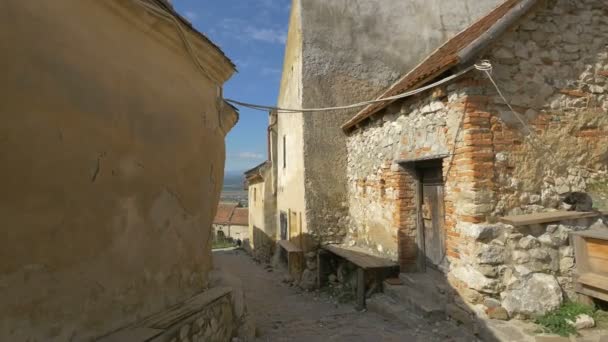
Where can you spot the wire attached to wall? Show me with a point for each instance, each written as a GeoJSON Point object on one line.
{"type": "Point", "coordinates": [355, 105]}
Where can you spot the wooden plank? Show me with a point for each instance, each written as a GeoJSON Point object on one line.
{"type": "Point", "coordinates": [580, 253]}
{"type": "Point", "coordinates": [594, 280]}
{"type": "Point", "coordinates": [591, 291]}
{"type": "Point", "coordinates": [366, 261]}
{"type": "Point", "coordinates": [597, 255]}
{"type": "Point", "coordinates": [289, 246]}
{"type": "Point", "coordinates": [553, 216]}
{"type": "Point", "coordinates": [595, 234]}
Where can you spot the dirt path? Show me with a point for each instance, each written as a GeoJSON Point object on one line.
{"type": "Point", "coordinates": [284, 313]}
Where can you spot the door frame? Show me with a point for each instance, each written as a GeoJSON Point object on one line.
{"type": "Point", "coordinates": [421, 261]}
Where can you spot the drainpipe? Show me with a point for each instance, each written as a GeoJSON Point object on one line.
{"type": "Point", "coordinates": [273, 115]}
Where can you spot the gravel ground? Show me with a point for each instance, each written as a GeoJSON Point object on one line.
{"type": "Point", "coordinates": [285, 313]}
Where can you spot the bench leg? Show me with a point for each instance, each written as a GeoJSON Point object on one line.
{"type": "Point", "coordinates": [360, 289]}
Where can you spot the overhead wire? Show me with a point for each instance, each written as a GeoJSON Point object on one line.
{"type": "Point", "coordinates": [355, 105]}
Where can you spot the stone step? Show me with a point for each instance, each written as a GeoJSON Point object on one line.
{"type": "Point", "coordinates": [431, 283]}
{"type": "Point", "coordinates": [391, 309]}
{"type": "Point", "coordinates": [417, 300]}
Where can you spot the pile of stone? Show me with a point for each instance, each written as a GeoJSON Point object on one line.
{"type": "Point", "coordinates": [343, 282]}
{"type": "Point", "coordinates": [517, 272]}
{"type": "Point", "coordinates": [308, 281]}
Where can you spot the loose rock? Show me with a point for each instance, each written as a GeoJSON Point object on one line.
{"type": "Point", "coordinates": [582, 322]}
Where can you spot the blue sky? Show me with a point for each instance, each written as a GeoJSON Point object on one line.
{"type": "Point", "coordinates": [252, 33]}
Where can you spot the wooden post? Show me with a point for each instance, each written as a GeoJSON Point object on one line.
{"type": "Point", "coordinates": [360, 289]}
{"type": "Point", "coordinates": [321, 268]}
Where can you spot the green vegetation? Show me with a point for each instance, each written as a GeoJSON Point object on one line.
{"type": "Point", "coordinates": [222, 244]}
{"type": "Point", "coordinates": [598, 190]}
{"type": "Point", "coordinates": [555, 322]}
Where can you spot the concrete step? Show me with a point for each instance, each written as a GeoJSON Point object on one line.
{"type": "Point", "coordinates": [417, 300]}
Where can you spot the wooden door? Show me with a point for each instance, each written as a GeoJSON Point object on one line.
{"type": "Point", "coordinates": [433, 217]}
{"type": "Point", "coordinates": [283, 224]}
{"type": "Point", "coordinates": [293, 225]}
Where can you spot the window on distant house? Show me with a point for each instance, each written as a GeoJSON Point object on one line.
{"type": "Point", "coordinates": [255, 195]}
{"type": "Point", "coordinates": [284, 152]}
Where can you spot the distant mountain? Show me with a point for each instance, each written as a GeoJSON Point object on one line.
{"type": "Point", "coordinates": [234, 180]}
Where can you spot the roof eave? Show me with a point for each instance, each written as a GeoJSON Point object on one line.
{"type": "Point", "coordinates": [464, 56]}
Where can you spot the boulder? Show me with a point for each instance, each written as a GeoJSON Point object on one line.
{"type": "Point", "coordinates": [536, 294]}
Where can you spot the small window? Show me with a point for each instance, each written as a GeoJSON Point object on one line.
{"type": "Point", "coordinates": [284, 152]}
{"type": "Point", "coordinates": [255, 195]}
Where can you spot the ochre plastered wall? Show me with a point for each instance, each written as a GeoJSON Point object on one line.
{"type": "Point", "coordinates": [112, 159]}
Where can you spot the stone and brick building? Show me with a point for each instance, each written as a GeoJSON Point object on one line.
{"type": "Point", "coordinates": [231, 221]}
{"type": "Point", "coordinates": [431, 178]}
{"type": "Point", "coordinates": [340, 52]}
{"type": "Point", "coordinates": [112, 152]}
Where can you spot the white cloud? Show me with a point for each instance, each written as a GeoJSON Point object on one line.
{"type": "Point", "coordinates": [267, 35]}
{"type": "Point", "coordinates": [191, 15]}
{"type": "Point", "coordinates": [270, 71]}
{"type": "Point", "coordinates": [249, 156]}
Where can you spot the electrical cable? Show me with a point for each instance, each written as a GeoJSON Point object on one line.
{"type": "Point", "coordinates": [355, 105]}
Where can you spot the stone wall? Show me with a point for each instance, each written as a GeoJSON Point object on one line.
{"type": "Point", "coordinates": [382, 192]}
{"type": "Point", "coordinates": [209, 316]}
{"type": "Point", "coordinates": [526, 270]}
{"type": "Point", "coordinates": [553, 66]}
{"type": "Point", "coordinates": [215, 322]}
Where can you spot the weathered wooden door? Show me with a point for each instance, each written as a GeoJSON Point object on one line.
{"type": "Point", "coordinates": [293, 225]}
{"type": "Point", "coordinates": [433, 217]}
{"type": "Point", "coordinates": [283, 223]}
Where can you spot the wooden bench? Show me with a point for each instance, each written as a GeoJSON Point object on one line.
{"type": "Point", "coordinates": [547, 217]}
{"type": "Point", "coordinates": [295, 256]}
{"type": "Point", "coordinates": [363, 261]}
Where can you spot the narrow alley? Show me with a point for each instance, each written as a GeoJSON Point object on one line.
{"type": "Point", "coordinates": [285, 313]}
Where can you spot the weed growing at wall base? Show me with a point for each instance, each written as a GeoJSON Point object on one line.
{"type": "Point", "coordinates": [556, 322]}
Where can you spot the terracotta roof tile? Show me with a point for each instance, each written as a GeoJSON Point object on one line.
{"type": "Point", "coordinates": [444, 58]}
{"type": "Point", "coordinates": [224, 213]}
{"type": "Point", "coordinates": [240, 217]}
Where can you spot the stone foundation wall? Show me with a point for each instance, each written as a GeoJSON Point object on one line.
{"type": "Point", "coordinates": [524, 270]}
{"type": "Point", "coordinates": [213, 315]}
{"type": "Point", "coordinates": [214, 323]}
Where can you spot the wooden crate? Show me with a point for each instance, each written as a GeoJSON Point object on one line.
{"type": "Point", "coordinates": [591, 253]}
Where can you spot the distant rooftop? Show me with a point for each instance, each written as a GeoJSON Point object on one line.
{"type": "Point", "coordinates": [231, 214]}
